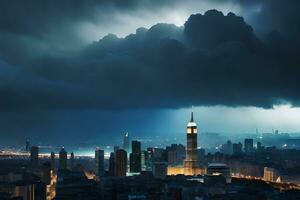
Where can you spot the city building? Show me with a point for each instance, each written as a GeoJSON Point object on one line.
{"type": "Point", "coordinates": [176, 154]}
{"type": "Point", "coordinates": [248, 146]}
{"type": "Point", "coordinates": [135, 157]}
{"type": "Point", "coordinates": [259, 146]}
{"type": "Point", "coordinates": [121, 162]}
{"type": "Point", "coordinates": [99, 162]}
{"type": "Point", "coordinates": [201, 154]}
{"type": "Point", "coordinates": [46, 173]}
{"type": "Point", "coordinates": [52, 158]}
{"type": "Point", "coordinates": [126, 143]}
{"type": "Point", "coordinates": [111, 167]}
{"type": "Point", "coordinates": [237, 148]}
{"type": "Point", "coordinates": [63, 158]}
{"type": "Point", "coordinates": [217, 169]}
{"type": "Point", "coordinates": [191, 164]}
{"type": "Point", "coordinates": [27, 146]}
{"type": "Point", "coordinates": [145, 162]}
{"type": "Point", "coordinates": [159, 170]}
{"type": "Point", "coordinates": [116, 148]}
{"type": "Point", "coordinates": [72, 161]}
{"type": "Point", "coordinates": [74, 185]}
{"type": "Point", "coordinates": [34, 157]}
{"type": "Point", "coordinates": [227, 148]}
{"type": "Point", "coordinates": [270, 174]}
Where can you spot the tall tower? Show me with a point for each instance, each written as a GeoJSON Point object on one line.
{"type": "Point", "coordinates": [121, 162]}
{"type": "Point", "coordinates": [63, 157]}
{"type": "Point", "coordinates": [99, 159]}
{"type": "Point", "coordinates": [72, 161]}
{"type": "Point", "coordinates": [126, 143]}
{"type": "Point", "coordinates": [191, 160]}
{"type": "Point", "coordinates": [52, 160]}
{"type": "Point", "coordinates": [135, 157]}
{"type": "Point", "coordinates": [27, 148]}
{"type": "Point", "coordinates": [34, 157]}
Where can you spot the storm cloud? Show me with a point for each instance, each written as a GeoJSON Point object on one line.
{"type": "Point", "coordinates": [214, 59]}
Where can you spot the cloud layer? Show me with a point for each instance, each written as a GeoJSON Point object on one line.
{"type": "Point", "coordinates": [214, 59]}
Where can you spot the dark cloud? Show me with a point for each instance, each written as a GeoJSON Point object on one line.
{"type": "Point", "coordinates": [214, 59]}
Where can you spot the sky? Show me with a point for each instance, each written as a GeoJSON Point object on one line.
{"type": "Point", "coordinates": [73, 71]}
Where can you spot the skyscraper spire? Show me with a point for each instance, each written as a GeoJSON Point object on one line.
{"type": "Point", "coordinates": [192, 116]}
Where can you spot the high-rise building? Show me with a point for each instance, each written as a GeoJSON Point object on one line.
{"type": "Point", "coordinates": [27, 147]}
{"type": "Point", "coordinates": [135, 157]}
{"type": "Point", "coordinates": [201, 154]}
{"type": "Point", "coordinates": [136, 147]}
{"type": "Point", "coordinates": [116, 148]}
{"type": "Point", "coordinates": [121, 162]}
{"type": "Point", "coordinates": [227, 148]}
{"type": "Point", "coordinates": [191, 164]}
{"type": "Point", "coordinates": [126, 143]}
{"type": "Point", "coordinates": [111, 167]}
{"type": "Point", "coordinates": [52, 160]}
{"type": "Point", "coordinates": [191, 159]}
{"type": "Point", "coordinates": [259, 147]}
{"type": "Point", "coordinates": [237, 148]}
{"type": "Point", "coordinates": [176, 154]}
{"type": "Point", "coordinates": [248, 146]}
{"type": "Point", "coordinates": [99, 162]}
{"type": "Point", "coordinates": [72, 161]}
{"type": "Point", "coordinates": [159, 170]}
{"type": "Point", "coordinates": [63, 158]}
{"type": "Point", "coordinates": [46, 173]}
{"type": "Point", "coordinates": [34, 157]}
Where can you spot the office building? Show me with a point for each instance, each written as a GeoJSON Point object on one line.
{"type": "Point", "coordinates": [34, 157]}
{"type": "Point", "coordinates": [126, 143]}
{"type": "Point", "coordinates": [248, 146]}
{"type": "Point", "coordinates": [111, 167]}
{"type": "Point", "coordinates": [116, 148]}
{"type": "Point", "coordinates": [72, 161]}
{"type": "Point", "coordinates": [121, 163]}
{"type": "Point", "coordinates": [237, 148]}
{"type": "Point", "coordinates": [159, 170]}
{"type": "Point", "coordinates": [27, 146]}
{"type": "Point", "coordinates": [63, 158]}
{"type": "Point", "coordinates": [176, 154]}
{"type": "Point", "coordinates": [135, 157]}
{"type": "Point", "coordinates": [52, 158]}
{"type": "Point", "coordinates": [227, 148]}
{"type": "Point", "coordinates": [99, 162]}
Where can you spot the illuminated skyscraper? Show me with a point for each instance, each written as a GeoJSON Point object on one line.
{"type": "Point", "coordinates": [99, 162]}
{"type": "Point", "coordinates": [121, 162]}
{"type": "Point", "coordinates": [191, 159]}
{"type": "Point", "coordinates": [191, 162]}
{"type": "Point", "coordinates": [126, 143]}
{"type": "Point", "coordinates": [63, 158]}
{"type": "Point", "coordinates": [34, 157]}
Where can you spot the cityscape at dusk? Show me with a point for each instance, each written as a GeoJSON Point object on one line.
{"type": "Point", "coordinates": [149, 100]}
